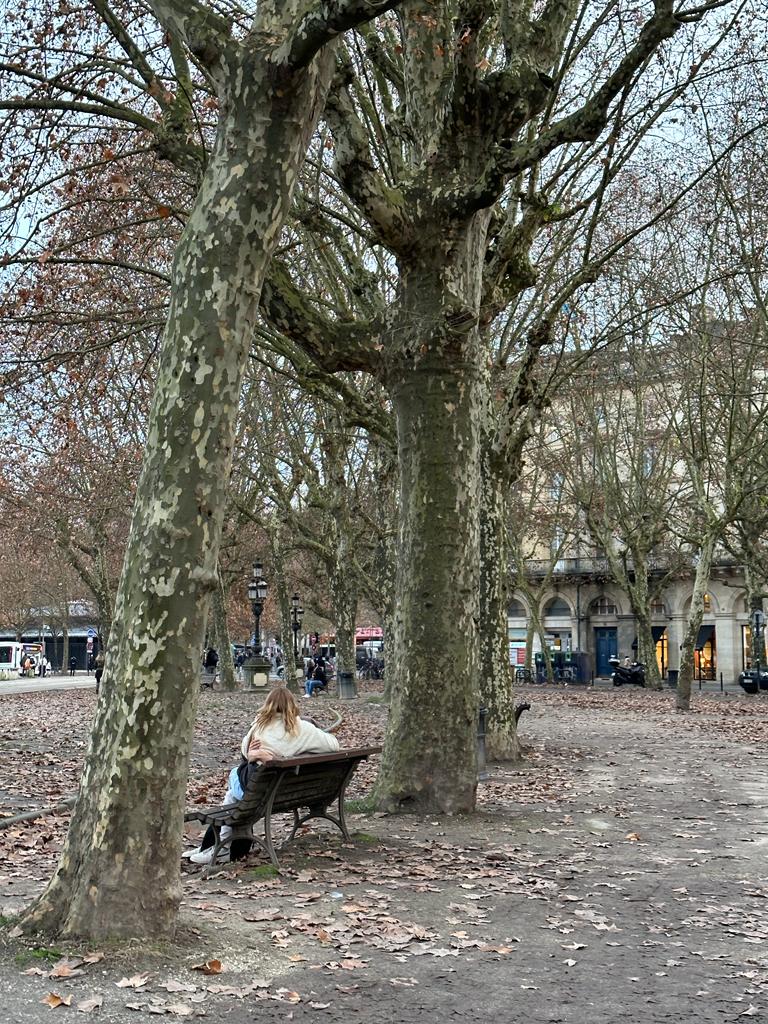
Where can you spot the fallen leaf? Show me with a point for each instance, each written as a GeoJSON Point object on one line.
{"type": "Point", "coordinates": [177, 986]}
{"type": "Point", "coordinates": [287, 995]}
{"type": "Point", "coordinates": [53, 999]}
{"type": "Point", "coordinates": [134, 982]}
{"type": "Point", "coordinates": [633, 837]}
{"type": "Point", "coordinates": [65, 969]}
{"type": "Point", "coordinates": [88, 1005]}
{"type": "Point", "coordinates": [209, 967]}
{"type": "Point", "coordinates": [180, 1009]}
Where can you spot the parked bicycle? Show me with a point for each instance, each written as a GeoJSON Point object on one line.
{"type": "Point", "coordinates": [373, 668]}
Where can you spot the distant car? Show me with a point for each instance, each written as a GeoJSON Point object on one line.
{"type": "Point", "coordinates": [749, 683]}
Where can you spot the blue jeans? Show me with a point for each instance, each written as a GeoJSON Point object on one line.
{"type": "Point", "coordinates": [312, 684]}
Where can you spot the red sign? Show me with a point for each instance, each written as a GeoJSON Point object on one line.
{"type": "Point", "coordinates": [369, 634]}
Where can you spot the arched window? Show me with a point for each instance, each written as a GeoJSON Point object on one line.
{"type": "Point", "coordinates": [557, 607]}
{"type": "Point", "coordinates": [516, 610]}
{"type": "Point", "coordinates": [603, 605]}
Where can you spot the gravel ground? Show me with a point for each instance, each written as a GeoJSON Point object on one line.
{"type": "Point", "coordinates": [620, 872]}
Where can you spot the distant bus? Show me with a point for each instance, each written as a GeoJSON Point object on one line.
{"type": "Point", "coordinates": [12, 657]}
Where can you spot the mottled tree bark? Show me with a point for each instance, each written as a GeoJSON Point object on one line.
{"type": "Point", "coordinates": [700, 583]}
{"type": "Point", "coordinates": [496, 684]}
{"type": "Point", "coordinates": [342, 577]}
{"type": "Point", "coordinates": [342, 587]}
{"type": "Point", "coordinates": [275, 530]}
{"type": "Point", "coordinates": [224, 646]}
{"type": "Point", "coordinates": [65, 648]}
{"type": "Point", "coordinates": [429, 761]}
{"type": "Point", "coordinates": [640, 601]}
{"type": "Point", "coordinates": [119, 871]}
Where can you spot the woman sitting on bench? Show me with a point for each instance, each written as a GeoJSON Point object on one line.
{"type": "Point", "coordinates": [277, 731]}
{"type": "Point", "coordinates": [318, 680]}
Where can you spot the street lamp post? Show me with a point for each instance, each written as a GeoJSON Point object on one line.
{"type": "Point", "coordinates": [257, 592]}
{"type": "Point", "coordinates": [256, 668]}
{"type": "Point", "coordinates": [297, 613]}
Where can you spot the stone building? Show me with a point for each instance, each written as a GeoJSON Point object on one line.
{"type": "Point", "coordinates": [584, 610]}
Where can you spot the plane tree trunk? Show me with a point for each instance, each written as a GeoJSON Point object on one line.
{"type": "Point", "coordinates": [700, 583]}
{"type": "Point", "coordinates": [429, 761]}
{"type": "Point", "coordinates": [221, 629]}
{"type": "Point", "coordinates": [496, 684]}
{"type": "Point", "coordinates": [119, 870]}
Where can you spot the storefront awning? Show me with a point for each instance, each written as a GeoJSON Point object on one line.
{"type": "Point", "coordinates": [657, 631]}
{"type": "Point", "coordinates": [706, 635]}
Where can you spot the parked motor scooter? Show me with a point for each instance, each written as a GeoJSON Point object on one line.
{"type": "Point", "coordinates": [631, 674]}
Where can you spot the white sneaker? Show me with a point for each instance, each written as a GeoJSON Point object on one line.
{"type": "Point", "coordinates": [206, 856]}
{"type": "Point", "coordinates": [306, 695]}
{"type": "Point", "coordinates": [188, 854]}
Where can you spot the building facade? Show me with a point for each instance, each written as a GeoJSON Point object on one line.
{"type": "Point", "coordinates": [585, 611]}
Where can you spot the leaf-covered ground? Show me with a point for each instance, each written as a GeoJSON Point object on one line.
{"type": "Point", "coordinates": [620, 872]}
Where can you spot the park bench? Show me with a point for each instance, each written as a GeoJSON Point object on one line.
{"type": "Point", "coordinates": [313, 782]}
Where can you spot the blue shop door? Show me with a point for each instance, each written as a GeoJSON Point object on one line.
{"type": "Point", "coordinates": [606, 647]}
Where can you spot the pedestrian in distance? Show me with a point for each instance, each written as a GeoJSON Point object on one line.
{"type": "Point", "coordinates": [72, 665]}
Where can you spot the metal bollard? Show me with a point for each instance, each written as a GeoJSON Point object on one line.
{"type": "Point", "coordinates": [482, 765]}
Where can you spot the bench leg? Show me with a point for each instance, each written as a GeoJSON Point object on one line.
{"type": "Point", "coordinates": [268, 844]}
{"type": "Point", "coordinates": [321, 811]}
{"type": "Point", "coordinates": [216, 847]}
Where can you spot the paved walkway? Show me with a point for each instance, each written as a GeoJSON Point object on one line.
{"type": "Point", "coordinates": [81, 681]}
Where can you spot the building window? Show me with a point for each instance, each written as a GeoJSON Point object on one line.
{"type": "Point", "coordinates": [658, 608]}
{"type": "Point", "coordinates": [604, 606]}
{"type": "Point", "coordinates": [557, 607]}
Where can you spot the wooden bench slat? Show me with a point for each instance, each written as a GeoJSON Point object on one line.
{"type": "Point", "coordinates": [312, 781]}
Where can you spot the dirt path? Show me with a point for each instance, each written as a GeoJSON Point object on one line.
{"type": "Point", "coordinates": [621, 874]}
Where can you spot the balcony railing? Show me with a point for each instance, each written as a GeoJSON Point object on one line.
{"type": "Point", "coordinates": [567, 567]}
{"type": "Point", "coordinates": [600, 567]}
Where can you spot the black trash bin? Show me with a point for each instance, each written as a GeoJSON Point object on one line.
{"type": "Point", "coordinates": [582, 665]}
{"type": "Point", "coordinates": [347, 685]}
{"type": "Point", "coordinates": [672, 677]}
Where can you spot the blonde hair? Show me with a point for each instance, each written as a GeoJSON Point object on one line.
{"type": "Point", "coordinates": [280, 703]}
